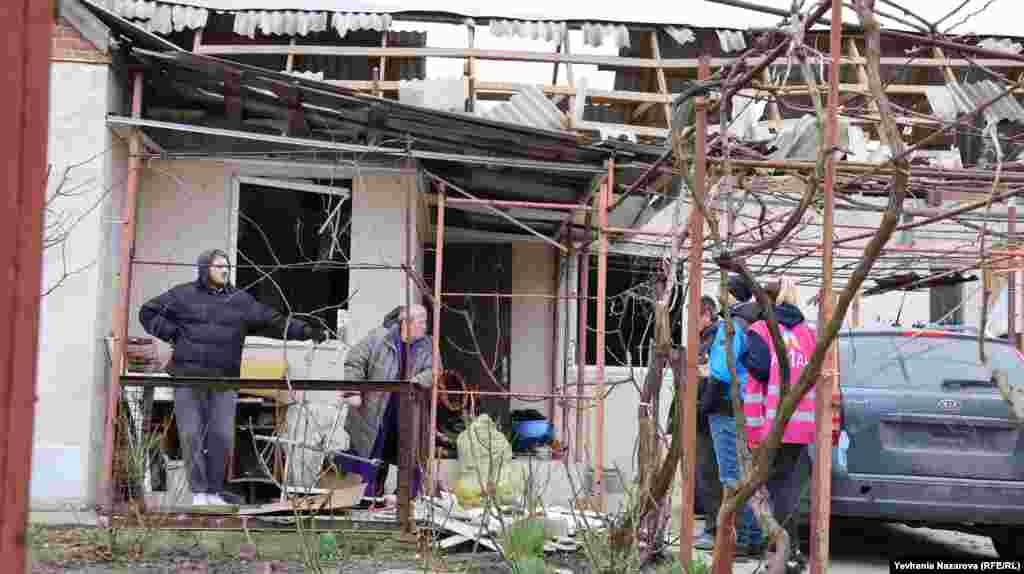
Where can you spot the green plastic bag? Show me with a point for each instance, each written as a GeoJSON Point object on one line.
{"type": "Point", "coordinates": [486, 466]}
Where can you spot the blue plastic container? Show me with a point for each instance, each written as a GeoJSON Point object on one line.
{"type": "Point", "coordinates": [529, 434]}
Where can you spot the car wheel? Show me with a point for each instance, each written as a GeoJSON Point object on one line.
{"type": "Point", "coordinates": [1009, 542]}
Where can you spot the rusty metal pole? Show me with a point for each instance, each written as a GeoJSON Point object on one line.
{"type": "Point", "coordinates": [436, 365]}
{"type": "Point", "coordinates": [408, 431]}
{"type": "Point", "coordinates": [602, 291]}
{"type": "Point", "coordinates": [556, 285]}
{"type": "Point", "coordinates": [563, 425]}
{"type": "Point", "coordinates": [121, 306]}
{"type": "Point", "coordinates": [1011, 288]}
{"type": "Point", "coordinates": [821, 489]}
{"type": "Point", "coordinates": [581, 347]}
{"type": "Point", "coordinates": [27, 27]}
{"type": "Point", "coordinates": [687, 399]}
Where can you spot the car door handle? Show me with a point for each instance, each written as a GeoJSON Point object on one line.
{"type": "Point", "coordinates": [857, 402]}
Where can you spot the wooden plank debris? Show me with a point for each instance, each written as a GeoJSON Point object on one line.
{"type": "Point", "coordinates": [340, 498]}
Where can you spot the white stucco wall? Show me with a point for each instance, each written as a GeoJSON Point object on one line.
{"type": "Point", "coordinates": [378, 237]}
{"type": "Point", "coordinates": [533, 269]}
{"type": "Point", "coordinates": [621, 408]}
{"type": "Point", "coordinates": [87, 160]}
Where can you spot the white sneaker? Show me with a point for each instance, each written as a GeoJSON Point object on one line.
{"type": "Point", "coordinates": [215, 500]}
{"type": "Point", "coordinates": [200, 499]}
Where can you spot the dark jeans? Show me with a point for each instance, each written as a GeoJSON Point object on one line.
{"type": "Point", "coordinates": [790, 474]}
{"type": "Point", "coordinates": [723, 432]}
{"type": "Point", "coordinates": [206, 429]}
{"type": "Point", "coordinates": [710, 491]}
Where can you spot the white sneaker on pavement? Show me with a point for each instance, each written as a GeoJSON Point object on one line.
{"type": "Point", "coordinates": [200, 499]}
{"type": "Point", "coordinates": [215, 500]}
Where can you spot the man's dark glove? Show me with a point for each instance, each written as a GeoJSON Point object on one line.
{"type": "Point", "coordinates": [317, 334]}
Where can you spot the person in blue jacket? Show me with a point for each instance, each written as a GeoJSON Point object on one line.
{"type": "Point", "coordinates": [717, 405]}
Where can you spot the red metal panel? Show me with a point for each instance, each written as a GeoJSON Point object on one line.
{"type": "Point", "coordinates": [25, 28]}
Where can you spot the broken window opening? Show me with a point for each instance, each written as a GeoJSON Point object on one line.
{"type": "Point", "coordinates": [293, 248]}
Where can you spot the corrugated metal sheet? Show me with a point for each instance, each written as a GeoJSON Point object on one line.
{"type": "Point", "coordinates": [483, 12]}
{"type": "Point", "coordinates": [332, 67]}
{"type": "Point", "coordinates": [941, 101]}
{"type": "Point", "coordinates": [681, 35]}
{"type": "Point", "coordinates": [731, 40]}
{"type": "Point", "coordinates": [674, 43]}
{"type": "Point", "coordinates": [531, 30]}
{"type": "Point", "coordinates": [969, 96]}
{"type": "Point", "coordinates": [447, 94]}
{"type": "Point", "coordinates": [595, 35]}
{"type": "Point", "coordinates": [1001, 45]}
{"type": "Point", "coordinates": [160, 17]}
{"type": "Point", "coordinates": [530, 107]}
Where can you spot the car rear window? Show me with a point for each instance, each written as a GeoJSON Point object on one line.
{"type": "Point", "coordinates": [918, 361]}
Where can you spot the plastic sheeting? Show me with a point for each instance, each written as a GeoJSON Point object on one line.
{"type": "Point", "coordinates": [162, 18]}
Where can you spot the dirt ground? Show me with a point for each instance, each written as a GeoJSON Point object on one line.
{"type": "Point", "coordinates": [857, 547]}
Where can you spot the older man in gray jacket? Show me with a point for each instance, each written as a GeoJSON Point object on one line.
{"type": "Point", "coordinates": [372, 424]}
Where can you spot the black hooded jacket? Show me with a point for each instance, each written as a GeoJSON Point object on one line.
{"type": "Point", "coordinates": [207, 326]}
{"type": "Point", "coordinates": [758, 355]}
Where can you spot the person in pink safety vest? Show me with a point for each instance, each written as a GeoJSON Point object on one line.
{"type": "Point", "coordinates": [792, 467]}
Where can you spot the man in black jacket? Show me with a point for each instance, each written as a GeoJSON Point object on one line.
{"type": "Point", "coordinates": [707, 489]}
{"type": "Point", "coordinates": [206, 322]}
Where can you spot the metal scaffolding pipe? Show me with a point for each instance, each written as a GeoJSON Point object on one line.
{"type": "Point", "coordinates": [510, 295]}
{"type": "Point", "coordinates": [1011, 289]}
{"type": "Point", "coordinates": [686, 397]}
{"type": "Point", "coordinates": [24, 112]}
{"type": "Point", "coordinates": [821, 489]}
{"type": "Point", "coordinates": [541, 396]}
{"type": "Point", "coordinates": [436, 365]}
{"type": "Point", "coordinates": [500, 213]}
{"type": "Point", "coordinates": [581, 347]}
{"type": "Point", "coordinates": [556, 285]}
{"type": "Point", "coordinates": [602, 311]}
{"type": "Point", "coordinates": [121, 304]}
{"type": "Point", "coordinates": [519, 204]}
{"type": "Point", "coordinates": [407, 418]}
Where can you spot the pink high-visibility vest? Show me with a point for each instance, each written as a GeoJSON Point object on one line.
{"type": "Point", "coordinates": [762, 399]}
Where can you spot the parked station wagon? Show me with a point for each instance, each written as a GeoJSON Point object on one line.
{"type": "Point", "coordinates": [932, 442]}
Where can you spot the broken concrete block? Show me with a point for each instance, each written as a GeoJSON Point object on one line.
{"type": "Point", "coordinates": [557, 526]}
